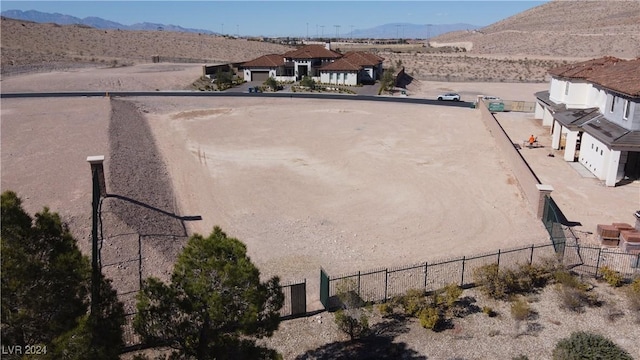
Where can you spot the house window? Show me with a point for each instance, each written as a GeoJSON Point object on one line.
{"type": "Point", "coordinates": [613, 103]}
{"type": "Point", "coordinates": [566, 88]}
{"type": "Point", "coordinates": [627, 109]}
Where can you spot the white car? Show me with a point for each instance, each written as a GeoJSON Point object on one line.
{"type": "Point", "coordinates": [449, 96]}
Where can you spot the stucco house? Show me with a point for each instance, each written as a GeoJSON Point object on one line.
{"type": "Point", "coordinates": [593, 111]}
{"type": "Point", "coordinates": [318, 62]}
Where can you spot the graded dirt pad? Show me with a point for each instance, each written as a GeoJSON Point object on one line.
{"type": "Point", "coordinates": [343, 185]}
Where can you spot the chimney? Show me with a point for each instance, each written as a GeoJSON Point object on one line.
{"type": "Point", "coordinates": [327, 45]}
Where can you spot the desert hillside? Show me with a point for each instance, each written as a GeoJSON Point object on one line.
{"type": "Point", "coordinates": [521, 48]}
{"type": "Point", "coordinates": [28, 43]}
{"type": "Point", "coordinates": [575, 29]}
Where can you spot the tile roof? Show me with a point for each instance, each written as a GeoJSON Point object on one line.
{"type": "Point", "coordinates": [312, 52]}
{"type": "Point", "coordinates": [341, 65]}
{"type": "Point", "coordinates": [271, 60]}
{"type": "Point", "coordinates": [363, 58]}
{"type": "Point", "coordinates": [622, 76]}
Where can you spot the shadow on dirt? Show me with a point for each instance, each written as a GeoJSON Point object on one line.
{"type": "Point", "coordinates": [377, 345]}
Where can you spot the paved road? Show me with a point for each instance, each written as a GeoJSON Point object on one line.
{"type": "Point", "coordinates": [282, 94]}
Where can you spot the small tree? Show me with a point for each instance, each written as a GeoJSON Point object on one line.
{"type": "Point", "coordinates": [223, 79]}
{"type": "Point", "coordinates": [388, 80]}
{"type": "Point", "coordinates": [307, 81]}
{"type": "Point", "coordinates": [352, 319]}
{"type": "Point", "coordinates": [45, 282]}
{"type": "Point", "coordinates": [271, 83]}
{"type": "Point", "coordinates": [214, 304]}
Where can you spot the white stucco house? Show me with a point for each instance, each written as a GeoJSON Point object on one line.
{"type": "Point", "coordinates": [593, 111]}
{"type": "Point", "coordinates": [319, 62]}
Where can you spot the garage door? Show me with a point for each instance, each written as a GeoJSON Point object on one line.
{"type": "Point", "coordinates": [259, 75]}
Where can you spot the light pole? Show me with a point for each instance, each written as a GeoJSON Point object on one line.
{"type": "Point", "coordinates": [322, 26]}
{"type": "Point", "coordinates": [222, 33]}
{"type": "Point", "coordinates": [307, 31]}
{"type": "Point", "coordinates": [337, 31]}
{"type": "Point", "coordinates": [99, 191]}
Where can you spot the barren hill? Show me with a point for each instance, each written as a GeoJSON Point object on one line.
{"type": "Point", "coordinates": [575, 29]}
{"type": "Point", "coordinates": [28, 43]}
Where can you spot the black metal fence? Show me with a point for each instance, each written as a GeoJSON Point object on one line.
{"type": "Point", "coordinates": [382, 284]}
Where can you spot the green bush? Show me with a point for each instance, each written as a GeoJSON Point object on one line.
{"type": "Point", "coordinates": [611, 276]}
{"type": "Point", "coordinates": [567, 279]}
{"type": "Point", "coordinates": [413, 302]}
{"type": "Point", "coordinates": [430, 318]}
{"type": "Point", "coordinates": [584, 345]}
{"type": "Point", "coordinates": [351, 324]}
{"type": "Point", "coordinates": [451, 294]}
{"type": "Point", "coordinates": [487, 277]}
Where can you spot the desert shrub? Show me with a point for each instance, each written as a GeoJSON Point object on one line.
{"type": "Point", "coordinates": [567, 279]}
{"type": "Point", "coordinates": [413, 302]}
{"type": "Point", "coordinates": [385, 309]}
{"type": "Point", "coordinates": [308, 82]}
{"type": "Point", "coordinates": [500, 284]}
{"type": "Point", "coordinates": [632, 293]}
{"type": "Point", "coordinates": [584, 345]}
{"type": "Point", "coordinates": [488, 278]}
{"type": "Point", "coordinates": [353, 326]}
{"type": "Point", "coordinates": [271, 83]}
{"type": "Point", "coordinates": [346, 291]}
{"type": "Point", "coordinates": [575, 299]}
{"type": "Point", "coordinates": [611, 276]}
{"type": "Point", "coordinates": [520, 309]}
{"type": "Point", "coordinates": [489, 311]}
{"type": "Point", "coordinates": [430, 318]}
{"type": "Point", "coordinates": [451, 294]}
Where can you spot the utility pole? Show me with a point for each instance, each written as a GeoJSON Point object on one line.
{"type": "Point", "coordinates": [316, 31]}
{"type": "Point", "coordinates": [307, 31]}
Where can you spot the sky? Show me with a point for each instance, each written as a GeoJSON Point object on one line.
{"type": "Point", "coordinates": [283, 18]}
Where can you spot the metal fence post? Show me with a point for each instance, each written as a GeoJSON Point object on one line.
{"type": "Point", "coordinates": [531, 257]}
{"type": "Point", "coordinates": [358, 283]}
{"type": "Point", "coordinates": [598, 263]}
{"type": "Point", "coordinates": [386, 282]}
{"type": "Point", "coordinates": [426, 268]}
{"type": "Point", "coordinates": [498, 262]}
{"type": "Point", "coordinates": [462, 277]}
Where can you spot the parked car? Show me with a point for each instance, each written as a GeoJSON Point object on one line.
{"type": "Point", "coordinates": [449, 97]}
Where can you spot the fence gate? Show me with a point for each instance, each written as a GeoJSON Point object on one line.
{"type": "Point", "coordinates": [324, 288]}
{"type": "Point", "coordinates": [299, 298]}
{"type": "Point", "coordinates": [551, 219]}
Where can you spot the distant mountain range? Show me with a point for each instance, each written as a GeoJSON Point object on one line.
{"type": "Point", "coordinates": [386, 31]}
{"type": "Point", "coordinates": [95, 22]}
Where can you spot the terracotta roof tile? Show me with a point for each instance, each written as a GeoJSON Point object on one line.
{"type": "Point", "coordinates": [312, 52]}
{"type": "Point", "coordinates": [341, 65]}
{"type": "Point", "coordinates": [616, 74]}
{"type": "Point", "coordinates": [363, 58]}
{"type": "Point", "coordinates": [271, 60]}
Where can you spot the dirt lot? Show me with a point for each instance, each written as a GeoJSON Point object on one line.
{"type": "Point", "coordinates": [305, 183]}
